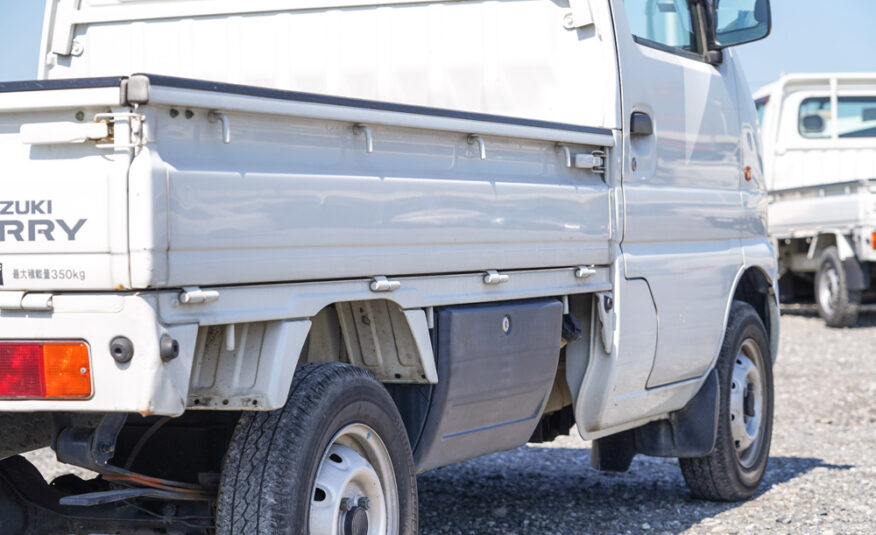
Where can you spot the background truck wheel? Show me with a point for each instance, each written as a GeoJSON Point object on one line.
{"type": "Point", "coordinates": [334, 460]}
{"type": "Point", "coordinates": [836, 303]}
{"type": "Point", "coordinates": [736, 466]}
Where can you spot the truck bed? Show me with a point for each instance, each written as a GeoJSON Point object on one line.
{"type": "Point", "coordinates": [231, 184]}
{"type": "Point", "coordinates": [807, 211]}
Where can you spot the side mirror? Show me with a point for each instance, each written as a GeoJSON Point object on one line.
{"type": "Point", "coordinates": [740, 21]}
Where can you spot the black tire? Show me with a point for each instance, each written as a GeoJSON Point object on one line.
{"type": "Point", "coordinates": [837, 305]}
{"type": "Point", "coordinates": [727, 474]}
{"type": "Point", "coordinates": [270, 468]}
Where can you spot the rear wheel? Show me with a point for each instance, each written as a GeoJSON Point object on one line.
{"type": "Point", "coordinates": [334, 461]}
{"type": "Point", "coordinates": [735, 468]}
{"type": "Point", "coordinates": [836, 303]}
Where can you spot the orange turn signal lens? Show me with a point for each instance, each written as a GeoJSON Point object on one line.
{"type": "Point", "coordinates": [67, 370]}
{"type": "Point", "coordinates": [45, 370]}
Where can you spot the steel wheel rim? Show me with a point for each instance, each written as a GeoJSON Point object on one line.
{"type": "Point", "coordinates": [356, 465]}
{"type": "Point", "coordinates": [828, 288]}
{"type": "Point", "coordinates": [747, 402]}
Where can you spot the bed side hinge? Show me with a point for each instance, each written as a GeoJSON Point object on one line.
{"type": "Point", "coordinates": [193, 295]}
{"type": "Point", "coordinates": [595, 161]}
{"type": "Point", "coordinates": [25, 301]}
{"type": "Point", "coordinates": [382, 284]}
{"type": "Point", "coordinates": [117, 138]}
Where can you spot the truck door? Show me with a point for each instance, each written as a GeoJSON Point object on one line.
{"type": "Point", "coordinates": [680, 179]}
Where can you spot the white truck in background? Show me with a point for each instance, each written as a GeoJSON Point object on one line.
{"type": "Point", "coordinates": [329, 245]}
{"type": "Point", "coordinates": [819, 143]}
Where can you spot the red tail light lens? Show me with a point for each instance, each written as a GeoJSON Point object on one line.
{"type": "Point", "coordinates": [47, 370]}
{"type": "Point", "coordinates": [21, 371]}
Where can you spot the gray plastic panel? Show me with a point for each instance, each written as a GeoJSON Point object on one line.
{"type": "Point", "coordinates": [492, 385]}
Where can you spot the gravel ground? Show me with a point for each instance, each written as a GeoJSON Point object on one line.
{"type": "Point", "coordinates": [821, 478]}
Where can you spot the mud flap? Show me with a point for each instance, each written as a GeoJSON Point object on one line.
{"type": "Point", "coordinates": [857, 274]}
{"type": "Point", "coordinates": [690, 432]}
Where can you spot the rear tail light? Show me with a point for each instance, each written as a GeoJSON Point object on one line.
{"type": "Point", "coordinates": [44, 370]}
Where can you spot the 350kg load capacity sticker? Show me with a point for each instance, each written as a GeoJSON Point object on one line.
{"type": "Point", "coordinates": [46, 274]}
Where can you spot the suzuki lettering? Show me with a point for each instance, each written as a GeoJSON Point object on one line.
{"type": "Point", "coordinates": [35, 229]}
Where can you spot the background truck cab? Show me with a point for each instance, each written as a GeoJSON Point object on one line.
{"type": "Point", "coordinates": [264, 262]}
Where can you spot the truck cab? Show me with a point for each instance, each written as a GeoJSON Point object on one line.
{"type": "Point", "coordinates": [265, 262]}
{"type": "Point", "coordinates": [819, 139]}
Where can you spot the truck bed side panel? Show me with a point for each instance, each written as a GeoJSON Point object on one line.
{"type": "Point", "coordinates": [807, 211]}
{"type": "Point", "coordinates": [295, 199]}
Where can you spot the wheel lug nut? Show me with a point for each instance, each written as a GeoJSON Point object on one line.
{"type": "Point", "coordinates": [346, 504]}
{"type": "Point", "coordinates": [364, 502]}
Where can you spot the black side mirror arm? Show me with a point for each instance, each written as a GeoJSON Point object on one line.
{"type": "Point", "coordinates": [714, 57]}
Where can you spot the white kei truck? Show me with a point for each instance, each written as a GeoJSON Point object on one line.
{"type": "Point", "coordinates": [819, 141]}
{"type": "Point", "coordinates": [265, 262]}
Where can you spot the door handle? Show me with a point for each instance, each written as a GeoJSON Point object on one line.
{"type": "Point", "coordinates": [641, 124]}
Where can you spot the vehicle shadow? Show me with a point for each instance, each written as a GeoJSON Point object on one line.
{"type": "Point", "coordinates": [866, 318]}
{"type": "Point", "coordinates": [541, 490]}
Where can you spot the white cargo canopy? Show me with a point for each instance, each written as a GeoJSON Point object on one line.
{"type": "Point", "coordinates": [469, 56]}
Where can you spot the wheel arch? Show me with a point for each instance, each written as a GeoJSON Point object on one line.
{"type": "Point", "coordinates": [251, 365]}
{"type": "Point", "coordinates": [378, 335]}
{"type": "Point", "coordinates": [857, 272]}
{"type": "Point", "coordinates": [831, 238]}
{"type": "Point", "coordinates": [697, 421]}
{"type": "Point", "coordinates": [757, 288]}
